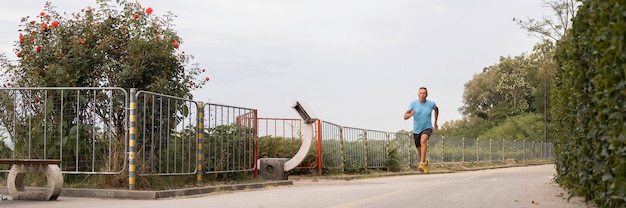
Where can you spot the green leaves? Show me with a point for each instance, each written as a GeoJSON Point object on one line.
{"type": "Point", "coordinates": [589, 101]}
{"type": "Point", "coordinates": [102, 47]}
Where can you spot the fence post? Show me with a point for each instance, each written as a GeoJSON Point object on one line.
{"type": "Point", "coordinates": [319, 147]}
{"type": "Point", "coordinates": [543, 151]}
{"type": "Point", "coordinates": [477, 151]}
{"type": "Point", "coordinates": [443, 148]}
{"type": "Point", "coordinates": [463, 151]}
{"type": "Point", "coordinates": [411, 146]}
{"type": "Point", "coordinates": [387, 147]}
{"type": "Point", "coordinates": [503, 150]}
{"type": "Point", "coordinates": [366, 149]}
{"type": "Point", "coordinates": [532, 151]}
{"type": "Point", "coordinates": [200, 133]}
{"type": "Point", "coordinates": [524, 150]}
{"type": "Point", "coordinates": [343, 151]}
{"type": "Point", "coordinates": [514, 151]}
{"type": "Point", "coordinates": [490, 151]}
{"type": "Point", "coordinates": [132, 140]}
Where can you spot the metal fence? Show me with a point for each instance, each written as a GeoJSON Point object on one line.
{"type": "Point", "coordinates": [166, 135]}
{"type": "Point", "coordinates": [110, 131]}
{"type": "Point", "coordinates": [83, 127]}
{"type": "Point", "coordinates": [89, 130]}
{"type": "Point", "coordinates": [348, 148]}
{"type": "Point", "coordinates": [230, 141]}
{"type": "Point", "coordinates": [282, 138]}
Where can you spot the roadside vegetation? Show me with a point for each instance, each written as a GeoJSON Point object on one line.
{"type": "Point", "coordinates": [569, 91]}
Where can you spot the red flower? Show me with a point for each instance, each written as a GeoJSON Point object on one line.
{"type": "Point", "coordinates": [38, 49]}
{"type": "Point", "coordinates": [55, 24]}
{"type": "Point", "coordinates": [44, 26]}
{"type": "Point", "coordinates": [207, 78]}
{"type": "Point", "coordinates": [81, 41]}
{"type": "Point", "coordinates": [42, 14]}
{"type": "Point", "coordinates": [175, 44]}
{"type": "Point", "coordinates": [149, 10]}
{"type": "Point", "coordinates": [32, 40]}
{"type": "Point", "coordinates": [19, 54]}
{"type": "Point", "coordinates": [33, 22]}
{"type": "Point", "coordinates": [21, 38]}
{"type": "Point", "coordinates": [136, 16]}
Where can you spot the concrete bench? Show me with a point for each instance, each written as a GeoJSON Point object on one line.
{"type": "Point", "coordinates": [21, 167]}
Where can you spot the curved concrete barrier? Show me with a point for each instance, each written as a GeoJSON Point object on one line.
{"type": "Point", "coordinates": [15, 181]}
{"type": "Point", "coordinates": [307, 139]}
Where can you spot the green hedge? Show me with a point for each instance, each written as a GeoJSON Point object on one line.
{"type": "Point", "coordinates": [589, 104]}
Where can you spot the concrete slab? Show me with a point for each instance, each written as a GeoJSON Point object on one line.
{"type": "Point", "coordinates": [141, 194]}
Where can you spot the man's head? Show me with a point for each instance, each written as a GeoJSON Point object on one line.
{"type": "Point", "coordinates": [422, 94]}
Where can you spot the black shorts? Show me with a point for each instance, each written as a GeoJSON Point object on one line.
{"type": "Point", "coordinates": [418, 137]}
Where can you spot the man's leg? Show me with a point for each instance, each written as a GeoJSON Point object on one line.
{"type": "Point", "coordinates": [422, 150]}
{"type": "Point", "coordinates": [419, 152]}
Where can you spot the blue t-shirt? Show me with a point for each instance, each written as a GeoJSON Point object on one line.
{"type": "Point", "coordinates": [422, 119]}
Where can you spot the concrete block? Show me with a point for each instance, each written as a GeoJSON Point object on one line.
{"type": "Point", "coordinates": [273, 168]}
{"type": "Point", "coordinates": [15, 181]}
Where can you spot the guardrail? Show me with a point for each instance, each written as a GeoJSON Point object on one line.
{"type": "Point", "coordinates": [83, 127]}
{"type": "Point", "coordinates": [107, 130]}
{"type": "Point", "coordinates": [167, 134]}
{"type": "Point", "coordinates": [230, 139]}
{"type": "Point", "coordinates": [353, 149]}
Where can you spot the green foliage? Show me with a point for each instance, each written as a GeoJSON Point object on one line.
{"type": "Point", "coordinates": [354, 157]}
{"type": "Point", "coordinates": [590, 104]}
{"type": "Point", "coordinates": [116, 44]}
{"type": "Point", "coordinates": [501, 90]}
{"type": "Point", "coordinates": [525, 127]}
{"type": "Point", "coordinates": [393, 159]}
{"type": "Point", "coordinates": [228, 148]}
{"type": "Point", "coordinates": [281, 147]}
{"type": "Point", "coordinates": [5, 151]}
{"type": "Point", "coordinates": [331, 155]}
{"type": "Point", "coordinates": [469, 127]}
{"type": "Point", "coordinates": [100, 47]}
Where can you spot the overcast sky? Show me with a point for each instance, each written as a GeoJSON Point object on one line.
{"type": "Point", "coordinates": [356, 63]}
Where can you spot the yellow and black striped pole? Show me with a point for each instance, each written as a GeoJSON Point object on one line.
{"type": "Point", "coordinates": [200, 133]}
{"type": "Point", "coordinates": [132, 140]}
{"type": "Point", "coordinates": [343, 152]}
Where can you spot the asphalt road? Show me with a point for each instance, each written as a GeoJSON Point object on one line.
{"type": "Point", "coordinates": [530, 186]}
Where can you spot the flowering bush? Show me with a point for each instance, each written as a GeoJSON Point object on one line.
{"type": "Point", "coordinates": [121, 45]}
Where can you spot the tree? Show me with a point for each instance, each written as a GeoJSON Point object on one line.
{"type": "Point", "coordinates": [480, 94]}
{"type": "Point", "coordinates": [500, 90]}
{"type": "Point", "coordinates": [514, 83]}
{"type": "Point", "coordinates": [551, 28]}
{"type": "Point", "coordinates": [130, 48]}
{"type": "Point", "coordinates": [118, 44]}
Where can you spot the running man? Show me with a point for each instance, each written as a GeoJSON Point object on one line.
{"type": "Point", "coordinates": [421, 110]}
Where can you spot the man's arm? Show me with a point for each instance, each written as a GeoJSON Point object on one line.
{"type": "Point", "coordinates": [436, 117]}
{"type": "Point", "coordinates": [408, 114]}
